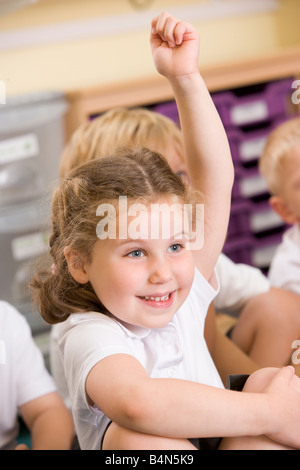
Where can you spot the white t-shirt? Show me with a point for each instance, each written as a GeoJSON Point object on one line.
{"type": "Point", "coordinates": [23, 376]}
{"type": "Point", "coordinates": [238, 283]}
{"type": "Point", "coordinates": [177, 350]}
{"type": "Point", "coordinates": [284, 270]}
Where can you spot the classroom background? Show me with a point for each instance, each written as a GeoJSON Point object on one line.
{"type": "Point", "coordinates": [65, 61]}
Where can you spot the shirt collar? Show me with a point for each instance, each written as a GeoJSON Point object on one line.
{"type": "Point", "coordinates": [134, 331]}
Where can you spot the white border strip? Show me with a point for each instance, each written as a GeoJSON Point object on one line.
{"type": "Point", "coordinates": [126, 23]}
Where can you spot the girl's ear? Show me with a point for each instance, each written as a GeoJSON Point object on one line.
{"type": "Point", "coordinates": [75, 264]}
{"type": "Point", "coordinates": [279, 206]}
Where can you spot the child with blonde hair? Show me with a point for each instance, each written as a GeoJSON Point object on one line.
{"type": "Point", "coordinates": [134, 305]}
{"type": "Point", "coordinates": [122, 127]}
{"type": "Point", "coordinates": [280, 167]}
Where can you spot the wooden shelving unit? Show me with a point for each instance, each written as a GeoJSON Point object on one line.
{"type": "Point", "coordinates": [150, 90]}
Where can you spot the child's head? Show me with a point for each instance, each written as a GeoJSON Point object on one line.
{"type": "Point", "coordinates": [143, 177]}
{"type": "Point", "coordinates": [122, 127]}
{"type": "Point", "coordinates": [280, 166]}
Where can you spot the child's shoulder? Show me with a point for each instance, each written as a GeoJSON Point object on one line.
{"type": "Point", "coordinates": [86, 319]}
{"type": "Point", "coordinates": [205, 287]}
{"type": "Point", "coordinates": [87, 325]}
{"type": "Point", "coordinates": [10, 317]}
{"type": "Point", "coordinates": [290, 241]}
{"type": "Point", "coordinates": [202, 293]}
{"type": "Point", "coordinates": [293, 233]}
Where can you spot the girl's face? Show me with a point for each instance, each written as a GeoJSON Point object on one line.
{"type": "Point", "coordinates": [143, 279]}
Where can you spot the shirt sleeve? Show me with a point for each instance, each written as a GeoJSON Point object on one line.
{"type": "Point", "coordinates": [238, 284]}
{"type": "Point", "coordinates": [84, 344]}
{"type": "Point", "coordinates": [32, 378]}
{"type": "Point", "coordinates": [285, 266]}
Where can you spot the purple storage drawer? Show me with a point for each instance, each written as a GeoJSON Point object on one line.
{"type": "Point", "coordinates": [248, 183]}
{"type": "Point", "coordinates": [256, 252]}
{"type": "Point", "coordinates": [263, 218]}
{"type": "Point", "coordinates": [247, 146]}
{"type": "Point", "coordinates": [264, 249]}
{"type": "Point", "coordinates": [254, 107]}
{"type": "Point", "coordinates": [168, 109]}
{"type": "Point", "coordinates": [239, 219]}
{"type": "Point", "coordinates": [239, 250]}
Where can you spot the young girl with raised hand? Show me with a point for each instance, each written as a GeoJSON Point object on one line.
{"type": "Point", "coordinates": [134, 296]}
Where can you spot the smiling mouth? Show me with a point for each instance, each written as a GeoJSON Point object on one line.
{"type": "Point", "coordinates": [157, 299]}
{"type": "Point", "coordinates": [161, 300]}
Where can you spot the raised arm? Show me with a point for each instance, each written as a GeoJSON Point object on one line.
{"type": "Point", "coordinates": [175, 50]}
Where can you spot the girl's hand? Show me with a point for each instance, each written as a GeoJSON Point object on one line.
{"type": "Point", "coordinates": [175, 46]}
{"type": "Point", "coordinates": [285, 388]}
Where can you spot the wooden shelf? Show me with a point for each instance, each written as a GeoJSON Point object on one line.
{"type": "Point", "coordinates": [150, 90]}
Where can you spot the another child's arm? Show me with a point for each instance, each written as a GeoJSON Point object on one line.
{"type": "Point", "coordinates": [227, 357]}
{"type": "Point", "coordinates": [50, 423]}
{"type": "Point", "coordinates": [175, 50]}
{"type": "Point", "coordinates": [230, 359]}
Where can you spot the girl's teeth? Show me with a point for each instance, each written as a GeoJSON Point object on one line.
{"type": "Point", "coordinates": [157, 299]}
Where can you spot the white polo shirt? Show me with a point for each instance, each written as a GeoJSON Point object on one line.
{"type": "Point", "coordinates": [23, 376]}
{"type": "Point", "coordinates": [177, 350]}
{"type": "Point", "coordinates": [239, 283]}
{"type": "Point", "coordinates": [284, 271]}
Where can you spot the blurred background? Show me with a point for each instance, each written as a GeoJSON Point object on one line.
{"type": "Point", "coordinates": [67, 44]}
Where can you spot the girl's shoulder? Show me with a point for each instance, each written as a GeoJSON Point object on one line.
{"type": "Point", "coordinates": [92, 330]}
{"type": "Point", "coordinates": [206, 288]}
{"type": "Point", "coordinates": [87, 321]}
{"type": "Point", "coordinates": [12, 322]}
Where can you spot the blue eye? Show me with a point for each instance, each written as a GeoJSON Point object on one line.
{"type": "Point", "coordinates": [136, 254]}
{"type": "Point", "coordinates": [175, 248]}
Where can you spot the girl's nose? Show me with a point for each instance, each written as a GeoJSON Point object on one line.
{"type": "Point", "coordinates": [160, 272]}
